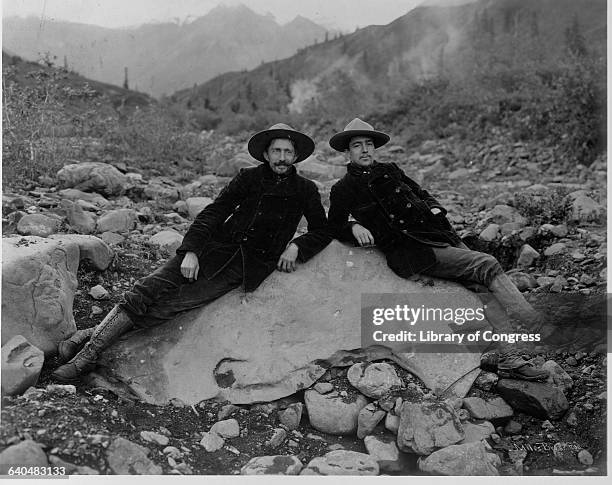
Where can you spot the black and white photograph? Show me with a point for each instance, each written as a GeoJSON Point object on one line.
{"type": "Point", "coordinates": [346, 238]}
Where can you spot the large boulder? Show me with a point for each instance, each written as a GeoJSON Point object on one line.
{"type": "Point", "coordinates": [282, 337]}
{"type": "Point", "coordinates": [38, 285]}
{"type": "Point", "coordinates": [28, 453]}
{"type": "Point", "coordinates": [332, 414]}
{"type": "Point", "coordinates": [538, 399]}
{"type": "Point", "coordinates": [118, 220]}
{"type": "Point", "coordinates": [93, 177]}
{"type": "Point", "coordinates": [231, 167]}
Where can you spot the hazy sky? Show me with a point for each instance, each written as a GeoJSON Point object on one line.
{"type": "Point", "coordinates": [345, 14]}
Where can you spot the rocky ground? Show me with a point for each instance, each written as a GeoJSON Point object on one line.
{"type": "Point", "coordinates": [545, 223]}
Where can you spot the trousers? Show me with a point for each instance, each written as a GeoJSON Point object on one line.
{"type": "Point", "coordinates": [166, 292]}
{"type": "Point", "coordinates": [462, 263]}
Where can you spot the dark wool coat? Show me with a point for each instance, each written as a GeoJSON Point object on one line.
{"type": "Point", "coordinates": [257, 214]}
{"type": "Point", "coordinates": [396, 210]}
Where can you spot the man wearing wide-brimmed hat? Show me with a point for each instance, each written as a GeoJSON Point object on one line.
{"type": "Point", "coordinates": [410, 227]}
{"type": "Point", "coordinates": [239, 239]}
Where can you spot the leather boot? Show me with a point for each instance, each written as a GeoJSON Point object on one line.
{"type": "Point", "coordinates": [511, 363]}
{"type": "Point", "coordinates": [106, 332]}
{"type": "Point", "coordinates": [68, 348]}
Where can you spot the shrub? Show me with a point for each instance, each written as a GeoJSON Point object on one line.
{"type": "Point", "coordinates": [548, 208]}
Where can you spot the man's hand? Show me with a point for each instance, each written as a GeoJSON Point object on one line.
{"type": "Point", "coordinates": [363, 236]}
{"type": "Point", "coordinates": [190, 266]}
{"type": "Point", "coordinates": [286, 262]}
{"type": "Point", "coordinates": [435, 211]}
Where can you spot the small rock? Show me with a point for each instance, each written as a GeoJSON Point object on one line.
{"type": "Point", "coordinates": [513, 427]}
{"type": "Point", "coordinates": [323, 387]}
{"type": "Point", "coordinates": [196, 204]}
{"type": "Point", "coordinates": [342, 462]}
{"type": "Point", "coordinates": [228, 428]}
{"type": "Point", "coordinates": [60, 389]}
{"type": "Point", "coordinates": [21, 365]}
{"type": "Point", "coordinates": [26, 453]}
{"type": "Point", "coordinates": [173, 452]}
{"type": "Point", "coordinates": [331, 414]}
{"type": "Point", "coordinates": [374, 380]}
{"type": "Point", "coordinates": [566, 453]}
{"type": "Point", "coordinates": [585, 457]}
{"type": "Point", "coordinates": [535, 398]}
{"type": "Point", "coordinates": [272, 465]}
{"type": "Point", "coordinates": [490, 233]}
{"type": "Point", "coordinates": [127, 458]}
{"type": "Point", "coordinates": [547, 425]}
{"type": "Point", "coordinates": [557, 376]}
{"type": "Point", "coordinates": [98, 292]}
{"type": "Point", "coordinates": [385, 453]}
{"type": "Point", "coordinates": [571, 361]}
{"type": "Point", "coordinates": [392, 422]}
{"type": "Point", "coordinates": [226, 411]}
{"type": "Point", "coordinates": [477, 431]}
{"type": "Point", "coordinates": [37, 225]}
{"type": "Point", "coordinates": [291, 416]}
{"type": "Point", "coordinates": [368, 418]}
{"type": "Point", "coordinates": [556, 248]}
{"type": "Point", "coordinates": [211, 442]}
{"type": "Point", "coordinates": [152, 437]}
{"type": "Point", "coordinates": [277, 438]}
{"type": "Point", "coordinates": [493, 409]}
{"type": "Point", "coordinates": [461, 460]}
{"type": "Point", "coordinates": [527, 256]}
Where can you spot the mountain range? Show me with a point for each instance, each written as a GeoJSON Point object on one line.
{"type": "Point", "coordinates": [165, 57]}
{"type": "Point", "coordinates": [454, 40]}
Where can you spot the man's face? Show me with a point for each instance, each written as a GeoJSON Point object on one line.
{"type": "Point", "coordinates": [361, 150]}
{"type": "Point", "coordinates": [280, 155]}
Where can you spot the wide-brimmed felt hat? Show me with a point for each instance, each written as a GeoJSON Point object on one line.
{"type": "Point", "coordinates": [304, 145]}
{"type": "Point", "coordinates": [357, 127]}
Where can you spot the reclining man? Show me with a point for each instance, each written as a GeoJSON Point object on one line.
{"type": "Point", "coordinates": [239, 239]}
{"type": "Point", "coordinates": [409, 226]}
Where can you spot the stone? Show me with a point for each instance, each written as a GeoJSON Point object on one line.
{"type": "Point", "coordinates": [153, 437]}
{"type": "Point", "coordinates": [281, 336]}
{"type": "Point", "coordinates": [470, 459]}
{"type": "Point", "coordinates": [226, 411]}
{"type": "Point", "coordinates": [273, 465]}
{"type": "Point", "coordinates": [392, 422]}
{"type": "Point", "coordinates": [38, 285]}
{"type": "Point", "coordinates": [342, 462]}
{"type": "Point", "coordinates": [168, 241]}
{"type": "Point", "coordinates": [323, 387]}
{"type": "Point", "coordinates": [373, 379]}
{"type": "Point", "coordinates": [37, 225]}
{"type": "Point", "coordinates": [112, 237]}
{"type": "Point", "coordinates": [196, 204]}
{"type": "Point", "coordinates": [523, 281]}
{"type": "Point", "coordinates": [486, 380]}
{"type": "Point", "coordinates": [228, 428]}
{"type": "Point", "coordinates": [495, 408]}
{"type": "Point", "coordinates": [527, 256]}
{"type": "Point", "coordinates": [231, 167]}
{"type": "Point", "coordinates": [315, 170]}
{"type": "Point", "coordinates": [490, 233]}
{"type": "Point", "coordinates": [477, 431]}
{"type": "Point", "coordinates": [21, 365]}
{"type": "Point", "coordinates": [291, 416]}
{"type": "Point", "coordinates": [385, 453]}
{"type": "Point", "coordinates": [368, 418]}
{"type": "Point", "coordinates": [566, 453]}
{"type": "Point", "coordinates": [501, 214]}
{"type": "Point", "coordinates": [556, 248]}
{"type": "Point", "coordinates": [277, 438]}
{"type": "Point", "coordinates": [513, 427]}
{"type": "Point", "coordinates": [60, 389]}
{"type": "Point", "coordinates": [331, 414]}
{"type": "Point", "coordinates": [557, 376]}
{"type": "Point", "coordinates": [162, 191]}
{"type": "Point", "coordinates": [127, 458]}
{"type": "Point", "coordinates": [89, 197]}
{"type": "Point", "coordinates": [71, 468]}
{"type": "Point", "coordinates": [559, 230]}
{"type": "Point", "coordinates": [91, 248]}
{"type": "Point", "coordinates": [427, 426]}
{"type": "Point", "coordinates": [93, 177]}
{"type": "Point", "coordinates": [534, 398]}
{"type": "Point", "coordinates": [585, 457]}
{"type": "Point", "coordinates": [584, 209]}
{"type": "Point", "coordinates": [98, 292]}
{"type": "Point", "coordinates": [80, 221]}
{"type": "Point", "coordinates": [119, 220]}
{"type": "Point", "coordinates": [511, 227]}
{"type": "Point", "coordinates": [27, 453]}
{"type": "Point", "coordinates": [211, 442]}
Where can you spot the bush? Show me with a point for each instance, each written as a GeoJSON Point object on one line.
{"type": "Point", "coordinates": [548, 208]}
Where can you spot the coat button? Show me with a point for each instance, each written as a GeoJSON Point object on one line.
{"type": "Point", "coordinates": [409, 205]}
{"type": "Point", "coordinates": [401, 221]}
{"type": "Point", "coordinates": [398, 190]}
{"type": "Point", "coordinates": [245, 238]}
{"type": "Point", "coordinates": [386, 176]}
{"type": "Point", "coordinates": [392, 216]}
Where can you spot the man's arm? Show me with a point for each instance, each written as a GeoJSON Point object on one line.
{"type": "Point", "coordinates": [213, 215]}
{"type": "Point", "coordinates": [318, 235]}
{"type": "Point", "coordinates": [340, 226]}
{"type": "Point", "coordinates": [425, 196]}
